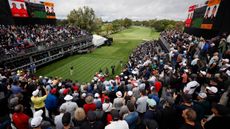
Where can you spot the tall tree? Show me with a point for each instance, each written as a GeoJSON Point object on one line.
{"type": "Point", "coordinates": [84, 18]}
{"type": "Point", "coordinates": [108, 28]}
{"type": "Point", "coordinates": [127, 22]}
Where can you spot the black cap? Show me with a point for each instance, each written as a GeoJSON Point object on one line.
{"type": "Point", "coordinates": [66, 119]}
{"type": "Point", "coordinates": [91, 116]}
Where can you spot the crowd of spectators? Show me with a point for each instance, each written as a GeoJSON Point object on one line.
{"type": "Point", "coordinates": [16, 39]}
{"type": "Point", "coordinates": [187, 88]}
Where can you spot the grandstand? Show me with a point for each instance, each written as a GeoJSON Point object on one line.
{"type": "Point", "coordinates": [179, 80]}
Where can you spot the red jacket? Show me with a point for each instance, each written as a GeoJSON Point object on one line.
{"type": "Point", "coordinates": [21, 120]}
{"type": "Point", "coordinates": [88, 107]}
{"type": "Point", "coordinates": [158, 86]}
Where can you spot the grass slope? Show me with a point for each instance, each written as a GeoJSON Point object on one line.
{"type": "Point", "coordinates": [86, 65]}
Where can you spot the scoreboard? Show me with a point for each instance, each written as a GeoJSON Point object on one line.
{"type": "Point", "coordinates": [26, 8]}
{"type": "Point", "coordinates": [203, 16]}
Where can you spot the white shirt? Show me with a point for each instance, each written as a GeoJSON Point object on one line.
{"type": "Point", "coordinates": [69, 106]}
{"type": "Point", "coordinates": [142, 104]}
{"type": "Point", "coordinates": [121, 124]}
{"type": "Point", "coordinates": [58, 121]}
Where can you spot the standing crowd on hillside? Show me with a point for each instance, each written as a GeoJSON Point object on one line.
{"type": "Point", "coordinates": [187, 88]}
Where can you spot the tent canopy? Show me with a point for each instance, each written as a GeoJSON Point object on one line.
{"type": "Point", "coordinates": [98, 40]}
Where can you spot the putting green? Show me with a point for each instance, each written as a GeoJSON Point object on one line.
{"type": "Point", "coordinates": [86, 65]}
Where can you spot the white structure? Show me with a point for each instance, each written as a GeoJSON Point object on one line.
{"type": "Point", "coordinates": [98, 40]}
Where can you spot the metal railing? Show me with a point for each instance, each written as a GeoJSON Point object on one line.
{"type": "Point", "coordinates": [165, 43]}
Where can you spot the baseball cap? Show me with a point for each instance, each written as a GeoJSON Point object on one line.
{"type": "Point", "coordinates": [38, 113]}
{"type": "Point", "coordinates": [96, 95]}
{"type": "Point", "coordinates": [36, 121]}
{"type": "Point", "coordinates": [35, 93]}
{"type": "Point", "coordinates": [202, 95]}
{"type": "Point", "coordinates": [212, 89]}
{"type": "Point", "coordinates": [91, 116]}
{"type": "Point", "coordinates": [225, 60]}
{"type": "Point", "coordinates": [130, 93]}
{"type": "Point", "coordinates": [151, 102]}
{"type": "Point", "coordinates": [53, 91]}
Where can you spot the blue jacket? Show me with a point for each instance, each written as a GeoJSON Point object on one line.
{"type": "Point", "coordinates": [51, 102]}
{"type": "Point", "coordinates": [132, 119]}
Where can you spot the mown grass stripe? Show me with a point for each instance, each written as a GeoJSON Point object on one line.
{"type": "Point", "coordinates": [86, 65]}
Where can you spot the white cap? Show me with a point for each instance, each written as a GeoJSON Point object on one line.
{"type": "Point", "coordinates": [170, 68]}
{"type": "Point", "coordinates": [36, 121]}
{"type": "Point", "coordinates": [68, 98]}
{"type": "Point", "coordinates": [225, 60]}
{"type": "Point", "coordinates": [83, 95]}
{"type": "Point", "coordinates": [130, 93]}
{"type": "Point", "coordinates": [203, 73]}
{"type": "Point", "coordinates": [152, 87]}
{"type": "Point", "coordinates": [151, 102]}
{"type": "Point", "coordinates": [212, 89]}
{"type": "Point", "coordinates": [49, 81]}
{"type": "Point", "coordinates": [228, 72]}
{"type": "Point", "coordinates": [75, 94]}
{"type": "Point", "coordinates": [38, 113]}
{"type": "Point", "coordinates": [35, 93]}
{"type": "Point", "coordinates": [96, 95]}
{"type": "Point", "coordinates": [119, 94]}
{"type": "Point", "coordinates": [202, 95]}
{"type": "Point", "coordinates": [196, 56]}
{"type": "Point", "coordinates": [186, 70]}
{"type": "Point", "coordinates": [190, 87]}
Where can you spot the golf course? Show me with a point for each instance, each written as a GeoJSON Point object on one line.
{"type": "Point", "coordinates": [86, 65]}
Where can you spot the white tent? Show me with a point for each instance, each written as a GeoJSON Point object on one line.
{"type": "Point", "coordinates": [98, 40]}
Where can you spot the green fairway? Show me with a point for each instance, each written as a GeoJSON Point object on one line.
{"type": "Point", "coordinates": [86, 65]}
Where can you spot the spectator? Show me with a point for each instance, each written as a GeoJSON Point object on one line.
{"type": "Point", "coordinates": [79, 117]}
{"type": "Point", "coordinates": [58, 118]}
{"type": "Point", "coordinates": [142, 103]}
{"type": "Point", "coordinates": [20, 120]}
{"type": "Point", "coordinates": [132, 117]}
{"type": "Point", "coordinates": [51, 102]}
{"type": "Point", "coordinates": [119, 101]}
{"type": "Point", "coordinates": [92, 123]}
{"type": "Point", "coordinates": [39, 102]}
{"type": "Point", "coordinates": [189, 116]}
{"type": "Point", "coordinates": [219, 118]}
{"type": "Point", "coordinates": [69, 105]}
{"type": "Point", "coordinates": [117, 123]}
{"type": "Point", "coordinates": [89, 104]}
{"type": "Point", "coordinates": [66, 121]}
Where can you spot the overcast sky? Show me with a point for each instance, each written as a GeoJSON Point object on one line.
{"type": "Point", "coordinates": [134, 9]}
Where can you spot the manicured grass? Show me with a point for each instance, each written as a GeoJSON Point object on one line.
{"type": "Point", "coordinates": [86, 65]}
